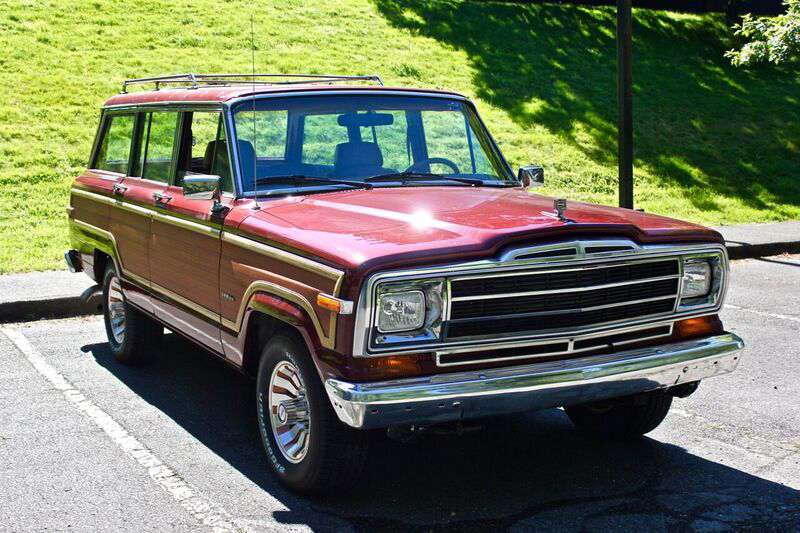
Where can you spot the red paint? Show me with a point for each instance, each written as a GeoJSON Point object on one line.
{"type": "Point", "coordinates": [362, 231]}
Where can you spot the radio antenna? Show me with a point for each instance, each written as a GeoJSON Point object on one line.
{"type": "Point", "coordinates": [256, 207]}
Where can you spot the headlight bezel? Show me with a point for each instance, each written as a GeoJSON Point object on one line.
{"type": "Point", "coordinates": [433, 290]}
{"type": "Point", "coordinates": [716, 284]}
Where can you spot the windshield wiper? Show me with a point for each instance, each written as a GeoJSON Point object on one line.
{"type": "Point", "coordinates": [299, 180]}
{"type": "Point", "coordinates": [422, 176]}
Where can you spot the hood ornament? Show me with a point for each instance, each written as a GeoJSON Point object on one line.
{"type": "Point", "coordinates": [560, 205]}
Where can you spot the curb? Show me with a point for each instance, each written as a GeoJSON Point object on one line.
{"type": "Point", "coordinates": [90, 303]}
{"type": "Point", "coordinates": [44, 308]}
{"type": "Point", "coordinates": [743, 250]}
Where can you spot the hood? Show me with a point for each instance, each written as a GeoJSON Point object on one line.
{"type": "Point", "coordinates": [365, 229]}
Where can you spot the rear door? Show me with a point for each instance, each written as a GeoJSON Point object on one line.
{"type": "Point", "coordinates": [185, 234]}
{"type": "Point", "coordinates": [132, 213]}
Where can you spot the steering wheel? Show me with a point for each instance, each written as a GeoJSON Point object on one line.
{"type": "Point", "coordinates": [416, 166]}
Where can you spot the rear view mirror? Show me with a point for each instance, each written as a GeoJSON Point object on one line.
{"type": "Point", "coordinates": [366, 120]}
{"type": "Point", "coordinates": [531, 176]}
{"type": "Point", "coordinates": [201, 187]}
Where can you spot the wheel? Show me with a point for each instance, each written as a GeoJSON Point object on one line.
{"type": "Point", "coordinates": [308, 448]}
{"type": "Point", "coordinates": [622, 418]}
{"type": "Point", "coordinates": [133, 336]}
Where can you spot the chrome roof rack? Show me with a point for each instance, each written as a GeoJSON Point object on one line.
{"type": "Point", "coordinates": [195, 81]}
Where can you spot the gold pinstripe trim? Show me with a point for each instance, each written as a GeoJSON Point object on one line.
{"type": "Point", "coordinates": [186, 224]}
{"type": "Point", "coordinates": [89, 228]}
{"type": "Point", "coordinates": [114, 202]}
{"type": "Point", "coordinates": [282, 255]}
{"type": "Point", "coordinates": [208, 313]}
{"type": "Point", "coordinates": [328, 341]}
{"type": "Point", "coordinates": [232, 238]}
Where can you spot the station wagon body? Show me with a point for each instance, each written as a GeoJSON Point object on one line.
{"type": "Point", "coordinates": [369, 256]}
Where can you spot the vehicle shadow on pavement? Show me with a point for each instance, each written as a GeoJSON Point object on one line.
{"type": "Point", "coordinates": [519, 472]}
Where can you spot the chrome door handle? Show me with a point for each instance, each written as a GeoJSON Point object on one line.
{"type": "Point", "coordinates": [161, 198]}
{"type": "Point", "coordinates": [119, 189]}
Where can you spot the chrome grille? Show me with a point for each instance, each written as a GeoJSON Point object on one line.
{"type": "Point", "coordinates": [566, 299]}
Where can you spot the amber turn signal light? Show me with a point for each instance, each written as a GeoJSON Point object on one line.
{"type": "Point", "coordinates": [697, 327]}
{"type": "Point", "coordinates": [394, 365]}
{"type": "Point", "coordinates": [343, 307]}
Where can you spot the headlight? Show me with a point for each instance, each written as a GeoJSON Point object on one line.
{"type": "Point", "coordinates": [703, 281]}
{"type": "Point", "coordinates": [408, 311]}
{"type": "Point", "coordinates": [401, 311]}
{"type": "Point", "coordinates": [696, 278]}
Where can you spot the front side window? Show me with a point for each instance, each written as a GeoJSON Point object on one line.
{"type": "Point", "coordinates": [381, 139]}
{"type": "Point", "coordinates": [158, 141]}
{"type": "Point", "coordinates": [115, 146]}
{"type": "Point", "coordinates": [203, 147]}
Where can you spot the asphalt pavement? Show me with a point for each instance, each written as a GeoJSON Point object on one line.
{"type": "Point", "coordinates": [89, 445]}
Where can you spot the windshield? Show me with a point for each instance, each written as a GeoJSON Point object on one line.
{"type": "Point", "coordinates": [381, 139]}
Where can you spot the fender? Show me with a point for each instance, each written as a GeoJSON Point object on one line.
{"type": "Point", "coordinates": [285, 312]}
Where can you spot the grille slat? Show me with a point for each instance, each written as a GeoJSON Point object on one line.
{"type": "Point", "coordinates": [569, 300]}
{"type": "Point", "coordinates": [573, 299]}
{"type": "Point", "coordinates": [565, 279]}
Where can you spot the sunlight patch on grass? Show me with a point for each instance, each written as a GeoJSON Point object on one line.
{"type": "Point", "coordinates": [713, 144]}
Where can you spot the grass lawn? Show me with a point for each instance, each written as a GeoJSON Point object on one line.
{"type": "Point", "coordinates": [713, 144]}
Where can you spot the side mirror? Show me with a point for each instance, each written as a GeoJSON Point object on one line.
{"type": "Point", "coordinates": [531, 176]}
{"type": "Point", "coordinates": [201, 187]}
{"type": "Point", "coordinates": [204, 187]}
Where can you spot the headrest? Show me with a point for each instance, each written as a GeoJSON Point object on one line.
{"type": "Point", "coordinates": [222, 150]}
{"type": "Point", "coordinates": [357, 154]}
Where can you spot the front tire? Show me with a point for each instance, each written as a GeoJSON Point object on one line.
{"type": "Point", "coordinates": [133, 337]}
{"type": "Point", "coordinates": [308, 448]}
{"type": "Point", "coordinates": [622, 418]}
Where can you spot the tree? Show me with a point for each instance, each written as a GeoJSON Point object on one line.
{"type": "Point", "coordinates": [773, 40]}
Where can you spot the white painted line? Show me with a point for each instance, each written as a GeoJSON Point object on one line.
{"type": "Point", "coordinates": [200, 508]}
{"type": "Point", "coordinates": [763, 313]}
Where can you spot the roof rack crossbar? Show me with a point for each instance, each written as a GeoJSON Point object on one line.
{"type": "Point", "coordinates": [194, 81]}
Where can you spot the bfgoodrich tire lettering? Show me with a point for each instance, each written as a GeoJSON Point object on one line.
{"type": "Point", "coordinates": [133, 337]}
{"type": "Point", "coordinates": [335, 454]}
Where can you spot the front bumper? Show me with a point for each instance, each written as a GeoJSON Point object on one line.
{"type": "Point", "coordinates": [461, 395]}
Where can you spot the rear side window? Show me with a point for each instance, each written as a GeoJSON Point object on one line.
{"type": "Point", "coordinates": [158, 140]}
{"type": "Point", "coordinates": [115, 147]}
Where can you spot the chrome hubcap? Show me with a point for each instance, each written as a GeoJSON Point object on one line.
{"type": "Point", "coordinates": [290, 417]}
{"type": "Point", "coordinates": [116, 310]}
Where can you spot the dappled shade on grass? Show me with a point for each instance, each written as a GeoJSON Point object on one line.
{"type": "Point", "coordinates": [706, 130]}
{"type": "Point", "coordinates": [713, 143]}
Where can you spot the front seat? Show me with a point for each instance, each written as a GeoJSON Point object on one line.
{"type": "Point", "coordinates": [358, 159]}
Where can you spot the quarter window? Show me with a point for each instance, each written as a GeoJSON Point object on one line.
{"type": "Point", "coordinates": [115, 148]}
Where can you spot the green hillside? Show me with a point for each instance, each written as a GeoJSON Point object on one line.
{"type": "Point", "coordinates": [714, 144]}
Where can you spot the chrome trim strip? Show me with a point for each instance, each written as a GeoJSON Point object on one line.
{"type": "Point", "coordinates": [556, 340]}
{"type": "Point", "coordinates": [560, 311]}
{"type": "Point", "coordinates": [503, 266]}
{"type": "Point", "coordinates": [460, 395]}
{"type": "Point", "coordinates": [554, 291]}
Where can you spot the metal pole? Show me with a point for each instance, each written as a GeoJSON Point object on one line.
{"type": "Point", "coordinates": [625, 98]}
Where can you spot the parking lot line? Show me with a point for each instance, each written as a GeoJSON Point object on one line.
{"type": "Point", "coordinates": [763, 313]}
{"type": "Point", "coordinates": [188, 497]}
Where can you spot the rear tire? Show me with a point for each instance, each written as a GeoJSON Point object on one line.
{"type": "Point", "coordinates": [622, 418]}
{"type": "Point", "coordinates": [308, 448]}
{"type": "Point", "coordinates": [134, 337]}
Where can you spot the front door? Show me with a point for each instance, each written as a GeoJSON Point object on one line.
{"type": "Point", "coordinates": [185, 234]}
